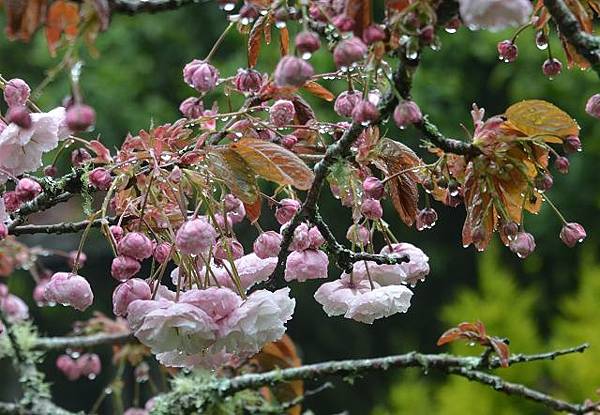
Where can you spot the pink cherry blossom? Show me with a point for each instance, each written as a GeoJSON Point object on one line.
{"type": "Point", "coordinates": [418, 266]}
{"type": "Point", "coordinates": [250, 268]}
{"type": "Point", "coordinates": [127, 292]}
{"type": "Point", "coordinates": [379, 302]}
{"type": "Point", "coordinates": [69, 289]}
{"type": "Point", "coordinates": [195, 236]}
{"type": "Point", "coordinates": [135, 245]}
{"type": "Point", "coordinates": [89, 365]}
{"type": "Point", "coordinates": [14, 308]}
{"type": "Point", "coordinates": [336, 296]}
{"type": "Point", "coordinates": [217, 302]}
{"type": "Point", "coordinates": [21, 150]}
{"type": "Point", "coordinates": [68, 367]}
{"type": "Point", "coordinates": [306, 265]}
{"type": "Point", "coordinates": [268, 244]}
{"type": "Point", "coordinates": [260, 319]}
{"type": "Point", "coordinates": [494, 14]}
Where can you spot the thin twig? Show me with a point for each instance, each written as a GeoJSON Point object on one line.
{"type": "Point", "coordinates": [73, 342]}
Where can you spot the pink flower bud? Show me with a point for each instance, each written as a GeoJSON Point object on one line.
{"type": "Point", "coordinates": [3, 290]}
{"type": "Point", "coordinates": [427, 35]}
{"type": "Point", "coordinates": [572, 144]}
{"type": "Point", "coordinates": [226, 247]}
{"type": "Point", "coordinates": [3, 231]}
{"type": "Point", "coordinates": [161, 252]}
{"type": "Point", "coordinates": [79, 157]}
{"type": "Point", "coordinates": [348, 52]}
{"type": "Point", "coordinates": [124, 267]}
{"type": "Point", "coordinates": [510, 230]}
{"type": "Point", "coordinates": [551, 67]}
{"type": "Point", "coordinates": [543, 182]}
{"type": "Point", "coordinates": [572, 233]}
{"type": "Point", "coordinates": [223, 223]}
{"type": "Point", "coordinates": [19, 115]}
{"type": "Point", "coordinates": [301, 238]}
{"type": "Point", "coordinates": [73, 257]}
{"type": "Point", "coordinates": [200, 75]}
{"type": "Point", "coordinates": [135, 245]}
{"type": "Point", "coordinates": [69, 289]}
{"type": "Point", "coordinates": [286, 210]}
{"type": "Point", "coordinates": [372, 34]}
{"type": "Point", "coordinates": [11, 201]}
{"type": "Point", "coordinates": [27, 189]}
{"type": "Point", "coordinates": [307, 42]}
{"type": "Point", "coordinates": [38, 291]}
{"type": "Point", "coordinates": [282, 113]}
{"type": "Point", "coordinates": [80, 117]}
{"type": "Point", "coordinates": [16, 92]}
{"type": "Point", "coordinates": [358, 234]}
{"type": "Point", "coordinates": [289, 141]}
{"type": "Point", "coordinates": [346, 102]}
{"type": "Point", "coordinates": [373, 188]}
{"type": "Point", "coordinates": [371, 209]}
{"type": "Point", "coordinates": [195, 237]}
{"type": "Point", "coordinates": [248, 80]}
{"type": "Point", "coordinates": [507, 51]}
{"type": "Point", "coordinates": [426, 219]}
{"type": "Point", "coordinates": [127, 292]}
{"type": "Point", "coordinates": [89, 365]}
{"type": "Point", "coordinates": [561, 164]}
{"type": "Point", "coordinates": [592, 107]}
{"type": "Point", "coordinates": [267, 245]}
{"type": "Point", "coordinates": [100, 178]}
{"type": "Point", "coordinates": [344, 23]}
{"type": "Point", "coordinates": [292, 71]}
{"type": "Point", "coordinates": [191, 107]}
{"type": "Point", "coordinates": [406, 113]}
{"type": "Point", "coordinates": [365, 112]}
{"type": "Point", "coordinates": [306, 265]}
{"type": "Point", "coordinates": [523, 244]}
{"type": "Point", "coordinates": [50, 171]}
{"type": "Point", "coordinates": [316, 238]}
{"type": "Point", "coordinates": [68, 367]}
{"type": "Point", "coordinates": [117, 232]}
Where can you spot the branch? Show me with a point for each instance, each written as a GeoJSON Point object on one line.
{"type": "Point", "coordinates": [469, 367]}
{"type": "Point", "coordinates": [585, 44]}
{"type": "Point", "coordinates": [63, 227]}
{"type": "Point", "coordinates": [58, 343]}
{"type": "Point", "coordinates": [449, 145]}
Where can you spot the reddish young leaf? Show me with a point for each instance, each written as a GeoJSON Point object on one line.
{"type": "Point", "coordinates": [24, 17]}
{"type": "Point", "coordinates": [255, 41]}
{"type": "Point", "coordinates": [63, 17]}
{"type": "Point", "coordinates": [253, 210]}
{"type": "Point", "coordinates": [319, 91]}
{"type": "Point", "coordinates": [284, 41]}
{"type": "Point", "coordinates": [228, 166]}
{"type": "Point", "coordinates": [501, 349]}
{"type": "Point", "coordinates": [274, 163]}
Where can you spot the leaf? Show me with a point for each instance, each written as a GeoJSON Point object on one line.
{"type": "Point", "coordinates": [254, 41]}
{"type": "Point", "coordinates": [24, 17]}
{"type": "Point", "coordinates": [319, 91]}
{"type": "Point", "coordinates": [541, 119]}
{"type": "Point", "coordinates": [102, 153]}
{"type": "Point", "coordinates": [63, 17]}
{"type": "Point", "coordinates": [253, 210]}
{"type": "Point", "coordinates": [402, 189]}
{"type": "Point", "coordinates": [274, 163]}
{"type": "Point", "coordinates": [228, 166]}
{"type": "Point", "coordinates": [360, 11]}
{"type": "Point", "coordinates": [449, 336]}
{"type": "Point", "coordinates": [284, 41]}
{"type": "Point", "coordinates": [501, 349]}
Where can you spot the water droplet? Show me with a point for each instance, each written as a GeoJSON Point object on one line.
{"type": "Point", "coordinates": [450, 30]}
{"type": "Point", "coordinates": [92, 376]}
{"type": "Point", "coordinates": [306, 55]}
{"type": "Point", "coordinates": [280, 24]}
{"type": "Point", "coordinates": [108, 391]}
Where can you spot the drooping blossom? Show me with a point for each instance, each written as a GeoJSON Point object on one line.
{"type": "Point", "coordinates": [69, 289]}
{"type": "Point", "coordinates": [572, 233]}
{"type": "Point", "coordinates": [21, 150]}
{"type": "Point", "coordinates": [306, 265]}
{"type": "Point", "coordinates": [268, 244]}
{"type": "Point", "coordinates": [417, 267]}
{"type": "Point", "coordinates": [195, 236]}
{"type": "Point", "coordinates": [135, 245]}
{"type": "Point", "coordinates": [127, 292]}
{"type": "Point", "coordinates": [494, 14]}
{"type": "Point", "coordinates": [124, 267]}
{"type": "Point", "coordinates": [250, 268]}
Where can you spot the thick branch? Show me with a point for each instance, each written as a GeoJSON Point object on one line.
{"type": "Point", "coordinates": [585, 44]}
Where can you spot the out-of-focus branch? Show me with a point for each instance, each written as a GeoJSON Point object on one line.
{"type": "Point", "coordinates": [58, 343]}
{"type": "Point", "coordinates": [585, 44]}
{"type": "Point", "coordinates": [150, 6]}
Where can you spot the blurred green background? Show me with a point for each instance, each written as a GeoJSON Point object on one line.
{"type": "Point", "coordinates": [548, 300]}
